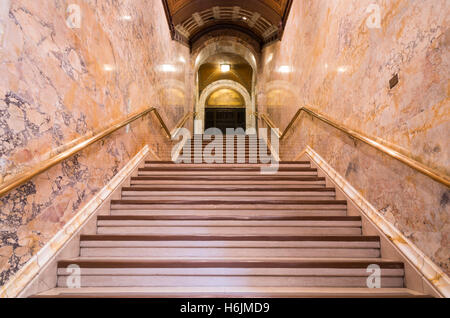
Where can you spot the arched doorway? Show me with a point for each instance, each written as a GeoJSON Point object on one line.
{"type": "Point", "coordinates": [240, 77]}
{"type": "Point", "coordinates": [225, 94]}
{"type": "Point", "coordinates": [225, 108]}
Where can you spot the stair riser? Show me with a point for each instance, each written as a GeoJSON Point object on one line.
{"type": "Point", "coordinates": [224, 173]}
{"type": "Point", "coordinates": [228, 252]}
{"type": "Point", "coordinates": [218, 165]}
{"type": "Point", "coordinates": [256, 206]}
{"type": "Point", "coordinates": [264, 271]}
{"type": "Point", "coordinates": [227, 213]}
{"type": "Point", "coordinates": [231, 292]}
{"type": "Point", "coordinates": [233, 244]}
{"type": "Point", "coordinates": [270, 281]}
{"type": "Point", "coordinates": [226, 223]}
{"type": "Point", "coordinates": [225, 188]}
{"type": "Point", "coordinates": [230, 230]}
{"type": "Point", "coordinates": [254, 184]}
{"type": "Point", "coordinates": [329, 194]}
{"type": "Point", "coordinates": [235, 198]}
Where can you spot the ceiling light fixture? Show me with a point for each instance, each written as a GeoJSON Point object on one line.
{"type": "Point", "coordinates": [225, 68]}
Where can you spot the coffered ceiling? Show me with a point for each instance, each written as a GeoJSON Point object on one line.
{"type": "Point", "coordinates": [263, 20]}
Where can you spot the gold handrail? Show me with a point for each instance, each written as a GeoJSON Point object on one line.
{"type": "Point", "coordinates": [47, 164]}
{"type": "Point", "coordinates": [442, 178]}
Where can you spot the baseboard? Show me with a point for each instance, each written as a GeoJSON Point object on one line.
{"type": "Point", "coordinates": [27, 278]}
{"type": "Point", "coordinates": [433, 276]}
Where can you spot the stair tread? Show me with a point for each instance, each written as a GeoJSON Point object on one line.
{"type": "Point", "coordinates": [231, 218]}
{"type": "Point", "coordinates": [229, 238]}
{"type": "Point", "coordinates": [190, 292]}
{"type": "Point", "coordinates": [175, 262]}
{"type": "Point", "coordinates": [232, 178]}
{"type": "Point", "coordinates": [229, 188]}
{"type": "Point", "coordinates": [260, 164]}
{"type": "Point", "coordinates": [243, 169]}
{"type": "Point", "coordinates": [230, 201]}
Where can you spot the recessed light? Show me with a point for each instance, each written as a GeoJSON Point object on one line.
{"type": "Point", "coordinates": [126, 18]}
{"type": "Point", "coordinates": [225, 68]}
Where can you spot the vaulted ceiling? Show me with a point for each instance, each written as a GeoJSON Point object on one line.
{"type": "Point", "coordinates": [263, 20]}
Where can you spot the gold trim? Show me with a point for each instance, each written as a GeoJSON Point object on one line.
{"type": "Point", "coordinates": [181, 123]}
{"type": "Point", "coordinates": [442, 178]}
{"type": "Point", "coordinates": [47, 164]}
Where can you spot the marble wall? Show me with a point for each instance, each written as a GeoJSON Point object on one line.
{"type": "Point", "coordinates": [337, 59]}
{"type": "Point", "coordinates": [65, 76]}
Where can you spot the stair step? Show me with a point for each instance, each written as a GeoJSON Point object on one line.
{"type": "Point", "coordinates": [230, 204]}
{"type": "Point", "coordinates": [224, 169]}
{"type": "Point", "coordinates": [294, 263]}
{"type": "Point", "coordinates": [373, 241]}
{"type": "Point", "coordinates": [224, 187]}
{"type": "Point", "coordinates": [231, 189]}
{"type": "Point", "coordinates": [201, 229]}
{"type": "Point", "coordinates": [227, 201]}
{"type": "Point", "coordinates": [243, 211]}
{"type": "Point", "coordinates": [228, 246]}
{"type": "Point", "coordinates": [281, 163]}
{"type": "Point", "coordinates": [228, 218]}
{"type": "Point", "coordinates": [296, 272]}
{"type": "Point", "coordinates": [241, 174]}
{"type": "Point", "coordinates": [227, 180]}
{"type": "Point", "coordinates": [229, 292]}
{"type": "Point", "coordinates": [245, 179]}
{"type": "Point", "coordinates": [222, 165]}
{"type": "Point", "coordinates": [197, 197]}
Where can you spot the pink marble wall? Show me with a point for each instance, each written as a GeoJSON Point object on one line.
{"type": "Point", "coordinates": [59, 84]}
{"type": "Point", "coordinates": [332, 62]}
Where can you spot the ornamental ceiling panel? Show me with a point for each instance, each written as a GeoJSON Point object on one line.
{"type": "Point", "coordinates": [264, 20]}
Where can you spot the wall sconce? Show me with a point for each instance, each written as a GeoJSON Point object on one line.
{"type": "Point", "coordinates": [225, 68]}
{"type": "Point", "coordinates": [168, 68]}
{"type": "Point", "coordinates": [108, 68]}
{"type": "Point", "coordinates": [284, 69]}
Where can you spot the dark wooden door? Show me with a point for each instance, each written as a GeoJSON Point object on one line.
{"type": "Point", "coordinates": [223, 118]}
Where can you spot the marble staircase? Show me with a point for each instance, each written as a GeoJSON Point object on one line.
{"type": "Point", "coordinates": [226, 230]}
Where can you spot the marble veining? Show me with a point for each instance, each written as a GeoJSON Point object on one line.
{"type": "Point", "coordinates": [331, 61]}
{"type": "Point", "coordinates": [60, 84]}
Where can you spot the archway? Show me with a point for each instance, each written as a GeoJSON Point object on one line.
{"type": "Point", "coordinates": [225, 46]}
{"type": "Point", "coordinates": [250, 120]}
{"type": "Point", "coordinates": [225, 108]}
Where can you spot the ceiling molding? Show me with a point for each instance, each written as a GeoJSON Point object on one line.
{"type": "Point", "coordinates": [225, 26]}
{"type": "Point", "coordinates": [263, 20]}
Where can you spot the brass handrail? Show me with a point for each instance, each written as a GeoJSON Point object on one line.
{"type": "Point", "coordinates": [420, 167]}
{"type": "Point", "coordinates": [21, 178]}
